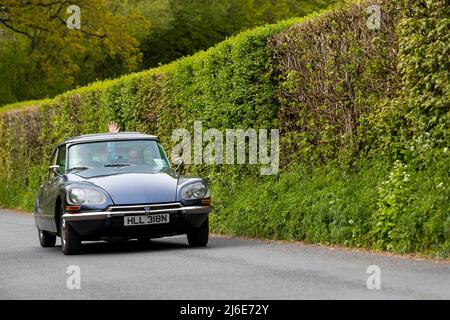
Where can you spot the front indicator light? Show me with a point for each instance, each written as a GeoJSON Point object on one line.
{"type": "Point", "coordinates": [206, 202]}
{"type": "Point", "coordinates": [72, 209]}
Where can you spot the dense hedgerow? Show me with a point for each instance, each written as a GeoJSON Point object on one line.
{"type": "Point", "coordinates": [363, 115]}
{"type": "Point", "coordinates": [221, 87]}
{"type": "Point", "coordinates": [332, 74]}
{"type": "Point", "coordinates": [398, 209]}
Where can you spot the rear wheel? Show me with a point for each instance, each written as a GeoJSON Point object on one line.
{"type": "Point", "coordinates": [70, 241]}
{"type": "Point", "coordinates": [198, 237]}
{"type": "Point", "coordinates": [46, 239]}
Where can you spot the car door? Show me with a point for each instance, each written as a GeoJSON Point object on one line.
{"type": "Point", "coordinates": [55, 180]}
{"type": "Point", "coordinates": [46, 217]}
{"type": "Point", "coordinates": [51, 188]}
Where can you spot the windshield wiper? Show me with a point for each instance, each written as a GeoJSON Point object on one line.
{"type": "Point", "coordinates": [119, 165]}
{"type": "Point", "coordinates": [77, 168]}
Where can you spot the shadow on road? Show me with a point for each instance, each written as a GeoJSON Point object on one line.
{"type": "Point", "coordinates": [162, 244]}
{"type": "Point", "coordinates": [130, 246]}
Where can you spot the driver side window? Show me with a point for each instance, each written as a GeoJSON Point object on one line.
{"type": "Point", "coordinates": [53, 162]}
{"type": "Point", "coordinates": [61, 159]}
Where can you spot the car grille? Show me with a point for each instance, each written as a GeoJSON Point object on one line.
{"type": "Point", "coordinates": [146, 208]}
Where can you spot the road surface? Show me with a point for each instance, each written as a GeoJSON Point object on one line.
{"type": "Point", "coordinates": [227, 269]}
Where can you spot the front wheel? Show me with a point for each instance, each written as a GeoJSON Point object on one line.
{"type": "Point", "coordinates": [198, 237]}
{"type": "Point", "coordinates": [46, 239]}
{"type": "Point", "coordinates": [70, 241]}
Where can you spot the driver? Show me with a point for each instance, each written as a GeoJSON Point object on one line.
{"type": "Point", "coordinates": [86, 159]}
{"type": "Point", "coordinates": [134, 157]}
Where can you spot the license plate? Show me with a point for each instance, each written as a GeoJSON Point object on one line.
{"type": "Point", "coordinates": [144, 220]}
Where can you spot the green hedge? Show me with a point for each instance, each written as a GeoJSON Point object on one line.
{"type": "Point", "coordinates": [222, 87]}
{"type": "Point", "coordinates": [333, 74]}
{"type": "Point", "coordinates": [363, 116]}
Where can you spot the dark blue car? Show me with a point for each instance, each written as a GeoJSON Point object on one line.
{"type": "Point", "coordinates": [118, 185]}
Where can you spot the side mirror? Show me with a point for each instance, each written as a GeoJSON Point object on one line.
{"type": "Point", "coordinates": [180, 164]}
{"type": "Point", "coordinates": [54, 169]}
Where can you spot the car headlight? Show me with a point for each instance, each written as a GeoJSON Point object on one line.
{"type": "Point", "coordinates": [85, 196]}
{"type": "Point", "coordinates": [193, 191]}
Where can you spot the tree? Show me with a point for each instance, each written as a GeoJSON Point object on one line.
{"type": "Point", "coordinates": [183, 27]}
{"type": "Point", "coordinates": [58, 58]}
{"type": "Point", "coordinates": [40, 56]}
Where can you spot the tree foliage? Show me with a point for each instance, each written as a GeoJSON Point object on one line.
{"type": "Point", "coordinates": [181, 28]}
{"type": "Point", "coordinates": [41, 57]}
{"type": "Point", "coordinates": [45, 57]}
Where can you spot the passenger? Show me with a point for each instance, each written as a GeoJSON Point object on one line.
{"type": "Point", "coordinates": [111, 146]}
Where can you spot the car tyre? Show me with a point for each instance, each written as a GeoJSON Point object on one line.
{"type": "Point", "coordinates": [70, 241]}
{"type": "Point", "coordinates": [46, 239]}
{"type": "Point", "coordinates": [198, 237]}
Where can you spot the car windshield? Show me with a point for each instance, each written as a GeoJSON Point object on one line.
{"type": "Point", "coordinates": [126, 156]}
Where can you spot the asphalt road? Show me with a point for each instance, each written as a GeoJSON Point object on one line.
{"type": "Point", "coordinates": [227, 269]}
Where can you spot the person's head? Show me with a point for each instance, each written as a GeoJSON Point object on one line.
{"type": "Point", "coordinates": [134, 157]}
{"type": "Point", "coordinates": [86, 157]}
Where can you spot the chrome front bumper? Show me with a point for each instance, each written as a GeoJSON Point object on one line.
{"type": "Point", "coordinates": [122, 211]}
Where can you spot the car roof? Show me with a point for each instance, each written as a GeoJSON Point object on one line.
{"type": "Point", "coordinates": [109, 137]}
